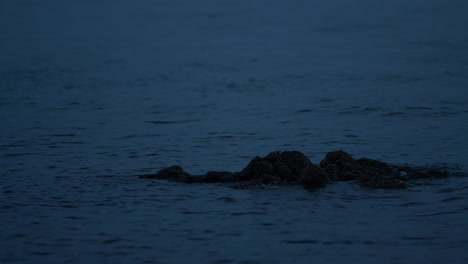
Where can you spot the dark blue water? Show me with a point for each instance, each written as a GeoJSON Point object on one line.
{"type": "Point", "coordinates": [93, 93]}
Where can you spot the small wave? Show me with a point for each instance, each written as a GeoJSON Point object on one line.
{"type": "Point", "coordinates": [411, 204]}
{"type": "Point", "coordinates": [168, 122]}
{"type": "Point", "coordinates": [422, 238]}
{"type": "Point", "coordinates": [452, 199]}
{"type": "Point", "coordinates": [226, 199]}
{"type": "Point", "coordinates": [248, 213]}
{"type": "Point", "coordinates": [304, 241]}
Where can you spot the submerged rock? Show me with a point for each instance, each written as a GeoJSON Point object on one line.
{"type": "Point", "coordinates": [295, 167]}
{"type": "Point", "coordinates": [175, 173]}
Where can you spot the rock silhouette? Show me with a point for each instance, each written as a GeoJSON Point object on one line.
{"type": "Point", "coordinates": [295, 167]}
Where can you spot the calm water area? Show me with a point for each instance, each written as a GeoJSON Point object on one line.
{"type": "Point", "coordinates": [95, 93]}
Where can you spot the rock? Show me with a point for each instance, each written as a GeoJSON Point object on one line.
{"type": "Point", "coordinates": [376, 167]}
{"type": "Point", "coordinates": [175, 173]}
{"type": "Point", "coordinates": [276, 166]}
{"type": "Point", "coordinates": [313, 177]}
{"type": "Point", "coordinates": [340, 166]}
{"type": "Point", "coordinates": [378, 174]}
{"type": "Point", "coordinates": [295, 161]}
{"type": "Point", "coordinates": [295, 167]}
{"type": "Point", "coordinates": [258, 168]}
{"type": "Point", "coordinates": [427, 173]}
{"type": "Point", "coordinates": [217, 176]}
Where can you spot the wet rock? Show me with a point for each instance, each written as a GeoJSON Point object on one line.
{"type": "Point", "coordinates": [376, 167]}
{"type": "Point", "coordinates": [424, 173]}
{"type": "Point", "coordinates": [217, 176]}
{"type": "Point", "coordinates": [340, 166]}
{"type": "Point", "coordinates": [175, 173]}
{"type": "Point", "coordinates": [409, 173]}
{"type": "Point", "coordinates": [379, 175]}
{"type": "Point", "coordinates": [258, 168]}
{"type": "Point", "coordinates": [276, 166]}
{"type": "Point", "coordinates": [295, 167]}
{"type": "Point", "coordinates": [313, 177]}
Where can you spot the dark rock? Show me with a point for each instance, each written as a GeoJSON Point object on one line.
{"type": "Point", "coordinates": [260, 167]}
{"type": "Point", "coordinates": [295, 167]}
{"type": "Point", "coordinates": [277, 166]}
{"type": "Point", "coordinates": [340, 166]}
{"type": "Point", "coordinates": [378, 174]}
{"type": "Point", "coordinates": [433, 173]}
{"type": "Point", "coordinates": [295, 161]}
{"type": "Point", "coordinates": [175, 173]}
{"type": "Point", "coordinates": [376, 167]}
{"type": "Point", "coordinates": [313, 177]}
{"type": "Point", "coordinates": [217, 176]}
{"type": "Point", "coordinates": [426, 173]}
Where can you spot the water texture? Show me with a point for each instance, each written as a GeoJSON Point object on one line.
{"type": "Point", "coordinates": [94, 93]}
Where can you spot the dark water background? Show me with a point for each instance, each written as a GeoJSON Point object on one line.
{"type": "Point", "coordinates": [93, 93]}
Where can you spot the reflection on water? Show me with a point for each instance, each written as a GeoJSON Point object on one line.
{"type": "Point", "coordinates": [100, 92]}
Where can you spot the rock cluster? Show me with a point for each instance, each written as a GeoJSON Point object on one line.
{"type": "Point", "coordinates": [295, 167]}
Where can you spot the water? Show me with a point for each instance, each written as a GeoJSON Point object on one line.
{"type": "Point", "coordinates": [94, 93]}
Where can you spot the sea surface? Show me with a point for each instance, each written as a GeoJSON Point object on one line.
{"type": "Point", "coordinates": [94, 93]}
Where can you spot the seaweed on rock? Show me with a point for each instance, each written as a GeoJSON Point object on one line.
{"type": "Point", "coordinates": [295, 167]}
